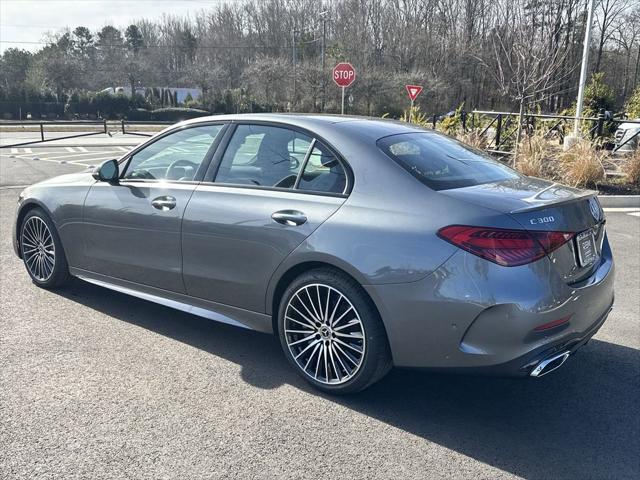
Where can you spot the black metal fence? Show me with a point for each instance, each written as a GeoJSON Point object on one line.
{"type": "Point", "coordinates": [501, 128]}
{"type": "Point", "coordinates": [125, 123]}
{"type": "Point", "coordinates": [100, 127]}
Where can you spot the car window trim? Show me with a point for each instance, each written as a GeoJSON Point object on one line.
{"type": "Point", "coordinates": [214, 166]}
{"type": "Point", "coordinates": [273, 189]}
{"type": "Point", "coordinates": [204, 165]}
{"type": "Point", "coordinates": [304, 163]}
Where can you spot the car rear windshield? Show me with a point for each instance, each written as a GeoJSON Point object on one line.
{"type": "Point", "coordinates": [442, 163]}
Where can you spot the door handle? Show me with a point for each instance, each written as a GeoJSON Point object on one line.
{"type": "Point", "coordinates": [164, 203]}
{"type": "Point", "coordinates": [291, 218]}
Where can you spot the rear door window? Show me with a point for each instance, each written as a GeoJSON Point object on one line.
{"type": "Point", "coordinates": [442, 163]}
{"type": "Point", "coordinates": [264, 156]}
{"type": "Point", "coordinates": [323, 172]}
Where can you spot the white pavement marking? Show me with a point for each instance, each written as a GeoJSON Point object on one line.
{"type": "Point", "coordinates": [86, 156]}
{"type": "Point", "coordinates": [123, 149]}
{"type": "Point", "coordinates": [79, 162]}
{"type": "Point", "coordinates": [14, 150]}
{"type": "Point", "coordinates": [27, 150]}
{"type": "Point", "coordinates": [82, 149]}
{"type": "Point", "coordinates": [621, 209]}
{"type": "Point", "coordinates": [69, 149]}
{"type": "Point", "coordinates": [635, 214]}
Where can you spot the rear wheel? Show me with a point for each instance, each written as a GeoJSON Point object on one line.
{"type": "Point", "coordinates": [42, 251]}
{"type": "Point", "coordinates": [331, 333]}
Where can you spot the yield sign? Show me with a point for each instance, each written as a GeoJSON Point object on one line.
{"type": "Point", "coordinates": [413, 91]}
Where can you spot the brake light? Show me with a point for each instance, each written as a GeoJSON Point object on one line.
{"type": "Point", "coordinates": [505, 247]}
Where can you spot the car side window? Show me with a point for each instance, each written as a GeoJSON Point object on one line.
{"type": "Point", "coordinates": [175, 157]}
{"type": "Point", "coordinates": [264, 156]}
{"type": "Point", "coordinates": [323, 172]}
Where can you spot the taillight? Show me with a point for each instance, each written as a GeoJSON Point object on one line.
{"type": "Point", "coordinates": [502, 246]}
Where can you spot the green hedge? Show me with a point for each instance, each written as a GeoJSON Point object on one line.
{"type": "Point", "coordinates": [36, 109]}
{"type": "Point", "coordinates": [140, 115]}
{"type": "Point", "coordinates": [175, 114]}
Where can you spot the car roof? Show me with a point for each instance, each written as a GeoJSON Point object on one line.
{"type": "Point", "coordinates": [370, 127]}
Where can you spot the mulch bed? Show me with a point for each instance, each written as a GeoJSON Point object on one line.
{"type": "Point", "coordinates": [619, 189]}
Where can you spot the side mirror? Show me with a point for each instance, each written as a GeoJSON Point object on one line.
{"type": "Point", "coordinates": [108, 171]}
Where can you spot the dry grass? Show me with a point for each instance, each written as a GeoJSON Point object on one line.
{"type": "Point", "coordinates": [631, 167]}
{"type": "Point", "coordinates": [582, 165]}
{"type": "Point", "coordinates": [473, 139]}
{"type": "Point", "coordinates": [533, 156]}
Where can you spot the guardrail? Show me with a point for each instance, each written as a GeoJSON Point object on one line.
{"type": "Point", "coordinates": [102, 128]}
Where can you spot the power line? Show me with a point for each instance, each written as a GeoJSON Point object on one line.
{"type": "Point", "coordinates": [197, 47]}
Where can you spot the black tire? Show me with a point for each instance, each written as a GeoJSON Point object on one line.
{"type": "Point", "coordinates": [59, 275]}
{"type": "Point", "coordinates": [375, 362]}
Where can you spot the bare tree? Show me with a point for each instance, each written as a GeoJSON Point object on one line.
{"type": "Point", "coordinates": [607, 18]}
{"type": "Point", "coordinates": [528, 51]}
{"type": "Point", "coordinates": [527, 60]}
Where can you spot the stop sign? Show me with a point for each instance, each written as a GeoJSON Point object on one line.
{"type": "Point", "coordinates": [344, 74]}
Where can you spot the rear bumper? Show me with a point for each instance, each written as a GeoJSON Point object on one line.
{"type": "Point", "coordinates": [474, 316]}
{"type": "Point", "coordinates": [525, 364]}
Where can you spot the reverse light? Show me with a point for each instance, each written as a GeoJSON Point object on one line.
{"type": "Point", "coordinates": [505, 247]}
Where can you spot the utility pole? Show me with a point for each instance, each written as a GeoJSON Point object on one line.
{"type": "Point", "coordinates": [583, 69]}
{"type": "Point", "coordinates": [293, 59]}
{"type": "Point", "coordinates": [323, 15]}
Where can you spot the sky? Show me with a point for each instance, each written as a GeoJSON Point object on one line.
{"type": "Point", "coordinates": [25, 23]}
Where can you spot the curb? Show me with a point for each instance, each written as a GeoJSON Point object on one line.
{"type": "Point", "coordinates": [619, 201]}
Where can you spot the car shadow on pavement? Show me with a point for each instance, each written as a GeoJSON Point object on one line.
{"type": "Point", "coordinates": [579, 422]}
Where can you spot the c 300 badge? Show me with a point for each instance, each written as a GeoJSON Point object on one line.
{"type": "Point", "coordinates": [539, 220]}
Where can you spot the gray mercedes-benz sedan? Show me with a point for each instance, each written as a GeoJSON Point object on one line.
{"type": "Point", "coordinates": [362, 244]}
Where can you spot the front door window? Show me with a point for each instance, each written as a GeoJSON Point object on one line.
{"type": "Point", "coordinates": [175, 157]}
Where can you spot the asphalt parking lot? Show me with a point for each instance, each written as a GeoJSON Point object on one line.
{"type": "Point", "coordinates": [96, 384]}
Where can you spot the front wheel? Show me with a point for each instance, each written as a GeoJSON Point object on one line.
{"type": "Point", "coordinates": [331, 333]}
{"type": "Point", "coordinates": [42, 251]}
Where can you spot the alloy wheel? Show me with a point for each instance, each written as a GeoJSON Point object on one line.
{"type": "Point", "coordinates": [38, 249]}
{"type": "Point", "coordinates": [324, 334]}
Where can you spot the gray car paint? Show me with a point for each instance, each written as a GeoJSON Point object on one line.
{"type": "Point", "coordinates": [231, 245]}
{"type": "Point", "coordinates": [441, 307]}
{"type": "Point", "coordinates": [126, 237]}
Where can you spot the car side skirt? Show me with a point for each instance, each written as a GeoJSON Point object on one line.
{"type": "Point", "coordinates": [203, 308]}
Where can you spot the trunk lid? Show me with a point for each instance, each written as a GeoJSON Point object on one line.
{"type": "Point", "coordinates": [540, 205]}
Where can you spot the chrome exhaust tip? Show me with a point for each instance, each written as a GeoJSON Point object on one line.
{"type": "Point", "coordinates": [550, 364]}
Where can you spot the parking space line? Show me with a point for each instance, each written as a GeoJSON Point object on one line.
{"type": "Point", "coordinates": [82, 149]}
{"type": "Point", "coordinates": [635, 214]}
{"type": "Point", "coordinates": [123, 149]}
{"type": "Point", "coordinates": [78, 162]}
{"type": "Point", "coordinates": [86, 156]}
{"type": "Point", "coordinates": [69, 149]}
